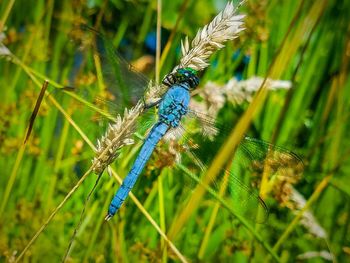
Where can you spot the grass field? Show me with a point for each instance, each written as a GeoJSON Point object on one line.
{"type": "Point", "coordinates": [47, 189]}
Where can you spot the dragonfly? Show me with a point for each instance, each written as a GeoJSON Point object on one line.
{"type": "Point", "coordinates": [172, 107]}
{"type": "Point", "coordinates": [173, 114]}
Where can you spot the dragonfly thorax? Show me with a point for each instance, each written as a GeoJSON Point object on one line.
{"type": "Point", "coordinates": [174, 104]}
{"type": "Point", "coordinates": [181, 76]}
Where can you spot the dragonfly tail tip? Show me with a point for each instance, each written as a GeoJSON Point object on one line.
{"type": "Point", "coordinates": [108, 217]}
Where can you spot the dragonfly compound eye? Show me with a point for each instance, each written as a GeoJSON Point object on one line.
{"type": "Point", "coordinates": [182, 75]}
{"type": "Point", "coordinates": [187, 75]}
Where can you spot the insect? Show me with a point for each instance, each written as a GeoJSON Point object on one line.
{"type": "Point", "coordinates": [172, 107]}
{"type": "Point", "coordinates": [174, 116]}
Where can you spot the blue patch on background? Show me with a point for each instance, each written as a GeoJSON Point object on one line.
{"type": "Point", "coordinates": [151, 41]}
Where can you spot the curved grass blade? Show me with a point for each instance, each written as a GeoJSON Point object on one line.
{"type": "Point", "coordinates": [36, 110]}
{"type": "Point", "coordinates": [76, 229]}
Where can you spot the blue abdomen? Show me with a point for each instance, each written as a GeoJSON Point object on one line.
{"type": "Point", "coordinates": [157, 132]}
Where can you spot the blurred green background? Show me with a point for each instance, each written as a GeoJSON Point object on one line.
{"type": "Point", "coordinates": [304, 42]}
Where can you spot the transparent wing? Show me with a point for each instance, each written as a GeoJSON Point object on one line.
{"type": "Point", "coordinates": [117, 80]}
{"type": "Point", "coordinates": [239, 181]}
{"type": "Point", "coordinates": [102, 83]}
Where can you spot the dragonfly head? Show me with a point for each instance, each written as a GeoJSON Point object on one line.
{"type": "Point", "coordinates": [182, 75]}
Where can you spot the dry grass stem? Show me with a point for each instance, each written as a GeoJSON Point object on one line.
{"type": "Point", "coordinates": [214, 96]}
{"type": "Point", "coordinates": [323, 254]}
{"type": "Point", "coordinates": [4, 51]}
{"type": "Point", "coordinates": [225, 26]}
{"type": "Point", "coordinates": [308, 219]}
{"type": "Point", "coordinates": [117, 135]}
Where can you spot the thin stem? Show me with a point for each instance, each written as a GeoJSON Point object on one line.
{"type": "Point", "coordinates": [172, 34]}
{"type": "Point", "coordinates": [213, 215]}
{"type": "Point", "coordinates": [81, 218]}
{"type": "Point", "coordinates": [158, 48]}
{"type": "Point", "coordinates": [6, 14]}
{"type": "Point", "coordinates": [162, 214]}
{"type": "Point", "coordinates": [41, 229]}
{"type": "Point", "coordinates": [160, 181]}
{"type": "Point", "coordinates": [241, 219]}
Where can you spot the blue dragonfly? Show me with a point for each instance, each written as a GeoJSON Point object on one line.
{"type": "Point", "coordinates": [172, 107]}
{"type": "Point", "coordinates": [173, 116]}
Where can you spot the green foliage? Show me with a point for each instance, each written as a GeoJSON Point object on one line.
{"type": "Point", "coordinates": [306, 42]}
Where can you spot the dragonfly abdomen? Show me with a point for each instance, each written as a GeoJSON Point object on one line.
{"type": "Point", "coordinates": [157, 132]}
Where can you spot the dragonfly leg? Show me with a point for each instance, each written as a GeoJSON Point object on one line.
{"type": "Point", "coordinates": [151, 105]}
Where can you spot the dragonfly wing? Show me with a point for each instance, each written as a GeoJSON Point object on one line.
{"type": "Point", "coordinates": [253, 152]}
{"type": "Point", "coordinates": [123, 85]}
{"type": "Point", "coordinates": [203, 138]}
{"type": "Point", "coordinates": [228, 184]}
